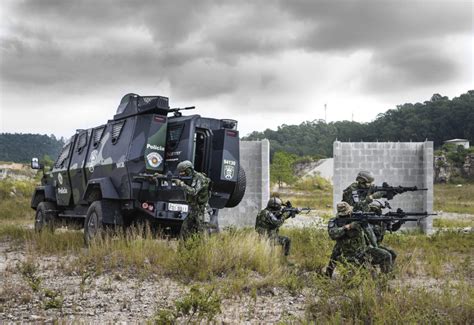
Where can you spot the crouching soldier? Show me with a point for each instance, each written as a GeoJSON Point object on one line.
{"type": "Point", "coordinates": [269, 221]}
{"type": "Point", "coordinates": [353, 243]}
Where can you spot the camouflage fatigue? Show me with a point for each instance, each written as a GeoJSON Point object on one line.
{"type": "Point", "coordinates": [197, 196]}
{"type": "Point", "coordinates": [337, 252]}
{"type": "Point", "coordinates": [335, 256]}
{"type": "Point", "coordinates": [355, 246]}
{"type": "Point", "coordinates": [268, 223]}
{"type": "Point", "coordinates": [359, 200]}
{"type": "Point", "coordinates": [379, 230]}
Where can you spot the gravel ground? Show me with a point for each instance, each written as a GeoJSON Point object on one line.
{"type": "Point", "coordinates": [117, 298]}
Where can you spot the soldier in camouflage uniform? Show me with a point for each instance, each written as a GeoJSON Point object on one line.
{"type": "Point", "coordinates": [197, 196]}
{"type": "Point", "coordinates": [353, 242]}
{"type": "Point", "coordinates": [356, 195]}
{"type": "Point", "coordinates": [269, 221]}
{"type": "Point", "coordinates": [380, 228]}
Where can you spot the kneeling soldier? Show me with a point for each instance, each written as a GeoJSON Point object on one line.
{"type": "Point", "coordinates": [353, 242]}
{"type": "Point", "coordinates": [269, 221]}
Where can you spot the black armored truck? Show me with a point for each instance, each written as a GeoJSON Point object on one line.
{"type": "Point", "coordinates": [122, 172]}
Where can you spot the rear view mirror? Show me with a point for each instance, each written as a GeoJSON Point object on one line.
{"type": "Point", "coordinates": [35, 163]}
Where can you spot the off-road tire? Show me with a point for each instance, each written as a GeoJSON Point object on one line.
{"type": "Point", "coordinates": [93, 224]}
{"type": "Point", "coordinates": [46, 216]}
{"type": "Point", "coordinates": [239, 189]}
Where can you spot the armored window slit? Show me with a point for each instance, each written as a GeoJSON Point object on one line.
{"type": "Point", "coordinates": [82, 142]}
{"type": "Point", "coordinates": [98, 133]}
{"type": "Point", "coordinates": [117, 130]}
{"type": "Point", "coordinates": [63, 156]}
{"type": "Point", "coordinates": [174, 135]}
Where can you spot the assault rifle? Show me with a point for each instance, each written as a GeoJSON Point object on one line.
{"type": "Point", "coordinates": [389, 217]}
{"type": "Point", "coordinates": [390, 191]}
{"type": "Point", "coordinates": [292, 210]}
{"type": "Point", "coordinates": [156, 178]}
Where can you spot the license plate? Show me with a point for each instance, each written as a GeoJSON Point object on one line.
{"type": "Point", "coordinates": [177, 207]}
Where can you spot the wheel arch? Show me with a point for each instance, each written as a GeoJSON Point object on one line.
{"type": "Point", "coordinates": [103, 186]}
{"type": "Point", "coordinates": [43, 193]}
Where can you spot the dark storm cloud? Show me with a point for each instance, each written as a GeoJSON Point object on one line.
{"type": "Point", "coordinates": [169, 21]}
{"type": "Point", "coordinates": [409, 66]}
{"type": "Point", "coordinates": [343, 25]}
{"type": "Point", "coordinates": [201, 47]}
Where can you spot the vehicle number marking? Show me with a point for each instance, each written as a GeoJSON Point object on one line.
{"type": "Point", "coordinates": [177, 207]}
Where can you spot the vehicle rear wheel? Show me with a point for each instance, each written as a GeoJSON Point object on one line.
{"type": "Point", "coordinates": [93, 225]}
{"type": "Point", "coordinates": [239, 189]}
{"type": "Point", "coordinates": [46, 216]}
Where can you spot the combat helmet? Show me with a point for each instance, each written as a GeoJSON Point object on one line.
{"type": "Point", "coordinates": [365, 177]}
{"type": "Point", "coordinates": [343, 209]}
{"type": "Point", "coordinates": [185, 167]}
{"type": "Point", "coordinates": [274, 203]}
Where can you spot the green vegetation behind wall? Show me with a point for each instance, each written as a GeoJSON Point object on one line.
{"type": "Point", "coordinates": [438, 119]}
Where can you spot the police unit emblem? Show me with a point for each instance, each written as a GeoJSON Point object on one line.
{"type": "Point", "coordinates": [154, 159]}
{"type": "Point", "coordinates": [229, 171]}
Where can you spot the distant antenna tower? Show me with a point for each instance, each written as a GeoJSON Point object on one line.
{"type": "Point", "coordinates": [325, 115]}
{"type": "Point", "coordinates": [352, 116]}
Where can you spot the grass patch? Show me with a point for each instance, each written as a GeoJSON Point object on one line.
{"type": "Point", "coordinates": [436, 256]}
{"type": "Point", "coordinates": [198, 305]}
{"type": "Point", "coordinates": [314, 183]}
{"type": "Point", "coordinates": [451, 198]}
{"type": "Point", "coordinates": [229, 253]}
{"type": "Point", "coordinates": [449, 223]}
{"type": "Point", "coordinates": [15, 199]}
{"type": "Point", "coordinates": [59, 242]}
{"type": "Point", "coordinates": [310, 248]}
{"type": "Point", "coordinates": [361, 299]}
{"type": "Point", "coordinates": [15, 209]}
{"type": "Point", "coordinates": [233, 254]}
{"type": "Point", "coordinates": [314, 192]}
{"type": "Point", "coordinates": [130, 252]}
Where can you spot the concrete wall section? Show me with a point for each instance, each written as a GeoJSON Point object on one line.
{"type": "Point", "coordinates": [397, 163]}
{"type": "Point", "coordinates": [255, 160]}
{"type": "Point", "coordinates": [428, 199]}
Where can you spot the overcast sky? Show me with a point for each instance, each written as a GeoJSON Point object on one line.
{"type": "Point", "coordinates": [66, 64]}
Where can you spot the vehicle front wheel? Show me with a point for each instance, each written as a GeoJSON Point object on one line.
{"type": "Point", "coordinates": [45, 217]}
{"type": "Point", "coordinates": [93, 225]}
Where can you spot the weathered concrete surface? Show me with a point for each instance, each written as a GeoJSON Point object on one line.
{"type": "Point", "coordinates": [255, 160]}
{"type": "Point", "coordinates": [397, 163]}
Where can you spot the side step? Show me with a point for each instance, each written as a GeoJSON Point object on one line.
{"type": "Point", "coordinates": [72, 215]}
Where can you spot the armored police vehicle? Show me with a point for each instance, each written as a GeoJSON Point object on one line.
{"type": "Point", "coordinates": [121, 172]}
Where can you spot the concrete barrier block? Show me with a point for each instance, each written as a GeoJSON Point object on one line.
{"type": "Point", "coordinates": [407, 164]}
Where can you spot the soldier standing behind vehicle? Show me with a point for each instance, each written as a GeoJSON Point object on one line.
{"type": "Point", "coordinates": [197, 196]}
{"type": "Point", "coordinates": [269, 221]}
{"type": "Point", "coordinates": [352, 240]}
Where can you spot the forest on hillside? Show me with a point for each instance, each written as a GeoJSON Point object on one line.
{"type": "Point", "coordinates": [437, 119]}
{"type": "Point", "coordinates": [19, 147]}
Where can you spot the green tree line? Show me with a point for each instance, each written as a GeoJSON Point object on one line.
{"type": "Point", "coordinates": [437, 119]}
{"type": "Point", "coordinates": [17, 147]}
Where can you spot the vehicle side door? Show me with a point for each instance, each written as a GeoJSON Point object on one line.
{"type": "Point", "coordinates": [61, 180]}
{"type": "Point", "coordinates": [78, 160]}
